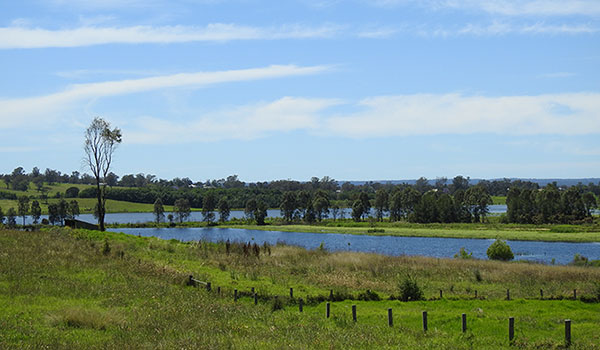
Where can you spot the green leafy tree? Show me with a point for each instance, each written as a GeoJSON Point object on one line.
{"type": "Point", "coordinates": [209, 203]}
{"type": "Point", "coordinates": [100, 144]}
{"type": "Point", "coordinates": [224, 209]}
{"type": "Point", "coordinates": [410, 197]}
{"type": "Point", "coordinates": [182, 209]}
{"type": "Point", "coordinates": [23, 207]}
{"type": "Point", "coordinates": [36, 211]}
{"type": "Point", "coordinates": [11, 217]}
{"type": "Point", "coordinates": [72, 192]}
{"type": "Point", "coordinates": [159, 211]}
{"type": "Point", "coordinates": [250, 208]}
{"type": "Point", "coordinates": [396, 210]}
{"type": "Point", "coordinates": [53, 215]}
{"type": "Point", "coordinates": [304, 203]}
{"type": "Point", "coordinates": [363, 197]}
{"type": "Point", "coordinates": [261, 212]}
{"type": "Point", "coordinates": [589, 202]}
{"type": "Point", "coordinates": [381, 204]}
{"type": "Point", "coordinates": [446, 208]}
{"type": "Point", "coordinates": [289, 206]}
{"type": "Point", "coordinates": [358, 210]}
{"type": "Point", "coordinates": [321, 205]}
{"type": "Point", "coordinates": [335, 211]}
{"type": "Point", "coordinates": [478, 200]}
{"type": "Point", "coordinates": [63, 210]}
{"type": "Point", "coordinates": [499, 250]}
{"type": "Point", "coordinates": [73, 209]}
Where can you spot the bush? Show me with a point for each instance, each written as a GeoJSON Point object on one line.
{"type": "Point", "coordinates": [410, 290]}
{"type": "Point", "coordinates": [369, 295]}
{"type": "Point", "coordinates": [463, 254]}
{"type": "Point", "coordinates": [499, 250]}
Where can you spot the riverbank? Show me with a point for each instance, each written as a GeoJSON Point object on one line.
{"type": "Point", "coordinates": [78, 289]}
{"type": "Point", "coordinates": [549, 233]}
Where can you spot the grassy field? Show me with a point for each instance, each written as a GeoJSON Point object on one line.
{"type": "Point", "coordinates": [75, 289]}
{"type": "Point", "coordinates": [86, 205]}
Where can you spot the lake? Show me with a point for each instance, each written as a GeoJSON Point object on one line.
{"type": "Point", "coordinates": [544, 252]}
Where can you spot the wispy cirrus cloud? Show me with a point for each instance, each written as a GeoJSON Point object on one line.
{"type": "Point", "coordinates": [507, 7]}
{"type": "Point", "coordinates": [384, 116]}
{"type": "Point", "coordinates": [24, 111]}
{"type": "Point", "coordinates": [16, 37]}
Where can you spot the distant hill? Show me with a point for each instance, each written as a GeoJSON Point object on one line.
{"type": "Point", "coordinates": [541, 182]}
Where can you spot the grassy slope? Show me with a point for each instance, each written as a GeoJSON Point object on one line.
{"type": "Point", "coordinates": [58, 290]}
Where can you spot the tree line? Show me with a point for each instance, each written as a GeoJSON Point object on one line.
{"type": "Point", "coordinates": [57, 212]}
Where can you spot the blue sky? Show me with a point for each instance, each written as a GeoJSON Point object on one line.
{"type": "Point", "coordinates": [355, 90]}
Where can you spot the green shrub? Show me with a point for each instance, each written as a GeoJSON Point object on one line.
{"type": "Point", "coordinates": [410, 290]}
{"type": "Point", "coordinates": [369, 295]}
{"type": "Point", "coordinates": [463, 254]}
{"type": "Point", "coordinates": [499, 250]}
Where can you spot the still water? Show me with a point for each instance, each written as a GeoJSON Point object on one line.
{"type": "Point", "coordinates": [563, 253]}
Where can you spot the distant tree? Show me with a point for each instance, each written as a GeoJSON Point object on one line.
{"type": "Point", "coordinates": [366, 203]}
{"type": "Point", "coordinates": [381, 203]}
{"type": "Point", "coordinates": [589, 202]}
{"type": "Point", "coordinates": [321, 205]}
{"type": "Point", "coordinates": [422, 185]}
{"type": "Point", "coordinates": [38, 181]}
{"type": "Point", "coordinates": [304, 202]}
{"type": "Point", "coordinates": [426, 211]}
{"type": "Point", "coordinates": [100, 144]}
{"type": "Point", "coordinates": [63, 210]}
{"type": "Point", "coordinates": [459, 183]}
{"type": "Point", "coordinates": [72, 192]}
{"type": "Point", "coordinates": [395, 206]}
{"type": "Point", "coordinates": [170, 218]}
{"type": "Point", "coordinates": [446, 208]}
{"type": "Point", "coordinates": [499, 250]}
{"type": "Point", "coordinates": [159, 211]}
{"type": "Point", "coordinates": [250, 208]}
{"type": "Point", "coordinates": [358, 210]}
{"type": "Point", "coordinates": [36, 211]}
{"type": "Point", "coordinates": [478, 200]}
{"type": "Point", "coordinates": [288, 206]}
{"type": "Point", "coordinates": [224, 209]}
{"type": "Point", "coordinates": [111, 179]}
{"type": "Point", "coordinates": [182, 209]}
{"type": "Point", "coordinates": [209, 202]}
{"type": "Point", "coordinates": [548, 203]}
{"type": "Point", "coordinates": [11, 216]}
{"type": "Point", "coordinates": [73, 209]}
{"type": "Point", "coordinates": [335, 210]}
{"type": "Point", "coordinates": [440, 183]}
{"type": "Point", "coordinates": [261, 212]}
{"type": "Point", "coordinates": [53, 215]}
{"type": "Point", "coordinates": [35, 172]}
{"type": "Point", "coordinates": [410, 197]}
{"type": "Point", "coordinates": [23, 207]}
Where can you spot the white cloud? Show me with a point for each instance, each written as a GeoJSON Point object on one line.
{"type": "Point", "coordinates": [557, 75]}
{"type": "Point", "coordinates": [426, 114]}
{"type": "Point", "coordinates": [25, 111]}
{"type": "Point", "coordinates": [384, 116]}
{"type": "Point", "coordinates": [498, 28]}
{"type": "Point", "coordinates": [16, 37]}
{"type": "Point", "coordinates": [507, 7]}
{"type": "Point", "coordinates": [242, 123]}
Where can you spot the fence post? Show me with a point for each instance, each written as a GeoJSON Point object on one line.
{"type": "Point", "coordinates": [328, 310]}
{"type": "Point", "coordinates": [235, 295]}
{"type": "Point", "coordinates": [508, 294]}
{"type": "Point", "coordinates": [300, 304]}
{"type": "Point", "coordinates": [354, 313]}
{"type": "Point", "coordinates": [291, 293]}
{"type": "Point", "coordinates": [331, 294]}
{"type": "Point", "coordinates": [252, 290]}
{"type": "Point", "coordinates": [541, 294]}
{"type": "Point", "coordinates": [219, 290]}
{"type": "Point", "coordinates": [191, 281]}
{"type": "Point", "coordinates": [390, 318]}
{"type": "Point", "coordinates": [575, 294]}
{"type": "Point", "coordinates": [568, 332]}
{"type": "Point", "coordinates": [208, 286]}
{"type": "Point", "coordinates": [441, 294]}
{"type": "Point", "coordinates": [464, 323]}
{"type": "Point", "coordinates": [511, 329]}
{"type": "Point", "coordinates": [255, 298]}
{"type": "Point", "coordinates": [425, 321]}
{"type": "Point", "coordinates": [475, 294]}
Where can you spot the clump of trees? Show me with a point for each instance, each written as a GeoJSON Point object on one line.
{"type": "Point", "coordinates": [549, 205]}
{"type": "Point", "coordinates": [499, 250]}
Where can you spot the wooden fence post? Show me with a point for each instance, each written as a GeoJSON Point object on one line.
{"type": "Point", "coordinates": [441, 294]}
{"type": "Point", "coordinates": [252, 290]}
{"type": "Point", "coordinates": [331, 294]}
{"type": "Point", "coordinates": [568, 333]}
{"type": "Point", "coordinates": [300, 302]}
{"type": "Point", "coordinates": [255, 298]}
{"type": "Point", "coordinates": [390, 318]}
{"type": "Point", "coordinates": [425, 321]}
{"type": "Point", "coordinates": [511, 329]}
{"type": "Point", "coordinates": [191, 281]}
{"type": "Point", "coordinates": [508, 294]}
{"type": "Point", "coordinates": [475, 294]}
{"type": "Point", "coordinates": [219, 290]}
{"type": "Point", "coordinates": [464, 323]}
{"type": "Point", "coordinates": [235, 295]}
{"type": "Point", "coordinates": [208, 286]}
{"type": "Point", "coordinates": [291, 293]}
{"type": "Point", "coordinates": [575, 294]}
{"type": "Point", "coordinates": [354, 313]}
{"type": "Point", "coordinates": [328, 310]}
{"type": "Point", "coordinates": [541, 294]}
